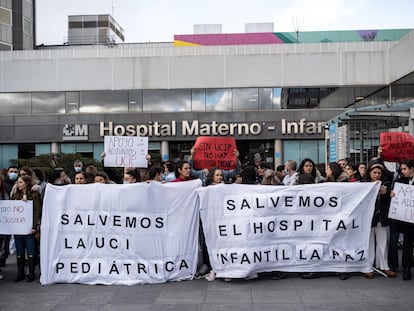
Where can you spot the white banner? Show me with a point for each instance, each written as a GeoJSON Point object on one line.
{"type": "Point", "coordinates": [304, 228]}
{"type": "Point", "coordinates": [16, 217]}
{"type": "Point", "coordinates": [402, 205]}
{"type": "Point", "coordinates": [119, 234]}
{"type": "Point", "coordinates": [125, 151]}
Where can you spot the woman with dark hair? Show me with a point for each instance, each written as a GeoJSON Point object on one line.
{"type": "Point", "coordinates": [131, 177]}
{"type": "Point", "coordinates": [335, 173]}
{"type": "Point", "coordinates": [102, 178]}
{"type": "Point", "coordinates": [351, 170]}
{"type": "Point", "coordinates": [406, 228]}
{"type": "Point", "coordinates": [182, 171]}
{"type": "Point", "coordinates": [308, 166]}
{"type": "Point", "coordinates": [80, 178]}
{"type": "Point", "coordinates": [155, 173]}
{"type": "Point", "coordinates": [214, 176]}
{"type": "Point", "coordinates": [248, 175]}
{"type": "Point", "coordinates": [26, 243]}
{"type": "Point", "coordinates": [362, 169]}
{"type": "Point", "coordinates": [379, 237]}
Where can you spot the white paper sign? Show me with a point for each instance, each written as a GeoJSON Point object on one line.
{"type": "Point", "coordinates": [319, 227]}
{"type": "Point", "coordinates": [402, 205]}
{"type": "Point", "coordinates": [125, 151]}
{"type": "Point", "coordinates": [120, 234]}
{"type": "Point", "coordinates": [16, 217]}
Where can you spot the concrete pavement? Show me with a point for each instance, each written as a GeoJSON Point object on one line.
{"type": "Point", "coordinates": [293, 293]}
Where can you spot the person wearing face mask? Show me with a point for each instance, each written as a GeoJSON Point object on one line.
{"type": "Point", "coordinates": [58, 177]}
{"type": "Point", "coordinates": [9, 181]}
{"type": "Point", "coordinates": [77, 167]}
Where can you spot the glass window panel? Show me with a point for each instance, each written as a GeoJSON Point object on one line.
{"type": "Point", "coordinates": [84, 147]}
{"type": "Point", "coordinates": [103, 101]}
{"type": "Point", "coordinates": [7, 153]}
{"type": "Point", "coordinates": [245, 99]}
{"type": "Point", "coordinates": [322, 151]}
{"type": "Point", "coordinates": [75, 25]}
{"type": "Point", "coordinates": [72, 102]}
{"type": "Point", "coordinates": [104, 23]}
{"type": "Point", "coordinates": [50, 102]}
{"type": "Point", "coordinates": [154, 145]}
{"type": "Point", "coordinates": [27, 26]}
{"type": "Point", "coordinates": [5, 16]}
{"type": "Point", "coordinates": [218, 100]}
{"type": "Point", "coordinates": [42, 149]}
{"type": "Point", "coordinates": [265, 99]}
{"type": "Point", "coordinates": [309, 149]}
{"type": "Point", "coordinates": [277, 95]}
{"type": "Point", "coordinates": [135, 100]}
{"type": "Point", "coordinates": [97, 150]}
{"type": "Point", "coordinates": [299, 149]}
{"type": "Point", "coordinates": [166, 100]}
{"type": "Point", "coordinates": [68, 148]}
{"type": "Point", "coordinates": [90, 24]}
{"type": "Point", "coordinates": [198, 100]}
{"type": "Point", "coordinates": [291, 150]}
{"type": "Point", "coordinates": [15, 103]}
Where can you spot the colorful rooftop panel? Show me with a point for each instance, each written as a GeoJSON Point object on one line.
{"type": "Point", "coordinates": [290, 37]}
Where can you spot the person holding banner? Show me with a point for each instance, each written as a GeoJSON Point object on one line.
{"type": "Point", "coordinates": [308, 166]}
{"type": "Point", "coordinates": [80, 178]}
{"type": "Point", "coordinates": [352, 170]}
{"type": "Point", "coordinates": [26, 243]}
{"type": "Point", "coordinates": [378, 242]}
{"type": "Point", "coordinates": [214, 177]}
{"type": "Point", "coordinates": [182, 171]}
{"type": "Point", "coordinates": [406, 228]}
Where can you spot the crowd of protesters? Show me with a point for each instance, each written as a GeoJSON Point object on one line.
{"type": "Point", "coordinates": [385, 238]}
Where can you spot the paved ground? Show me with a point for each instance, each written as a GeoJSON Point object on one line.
{"type": "Point", "coordinates": [293, 293]}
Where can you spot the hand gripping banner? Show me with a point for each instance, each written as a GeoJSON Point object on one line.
{"type": "Point", "coordinates": [304, 228]}
{"type": "Point", "coordinates": [119, 234]}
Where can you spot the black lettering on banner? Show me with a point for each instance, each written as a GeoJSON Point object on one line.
{"type": "Point", "coordinates": [274, 201]}
{"type": "Point", "coordinates": [361, 253]}
{"type": "Point", "coordinates": [64, 219]}
{"type": "Point", "coordinates": [230, 205]}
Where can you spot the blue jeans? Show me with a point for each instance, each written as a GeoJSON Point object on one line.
{"type": "Point", "coordinates": [25, 242]}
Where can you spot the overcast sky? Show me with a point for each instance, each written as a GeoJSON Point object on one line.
{"type": "Point", "coordinates": [159, 20]}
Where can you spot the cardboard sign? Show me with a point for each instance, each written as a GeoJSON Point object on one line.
{"type": "Point", "coordinates": [16, 217]}
{"type": "Point", "coordinates": [402, 205]}
{"type": "Point", "coordinates": [126, 151]}
{"type": "Point", "coordinates": [397, 146]}
{"type": "Point", "coordinates": [215, 152]}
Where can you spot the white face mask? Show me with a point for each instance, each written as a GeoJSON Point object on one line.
{"type": "Point", "coordinates": [126, 182]}
{"type": "Point", "coordinates": [12, 176]}
{"type": "Point", "coordinates": [78, 169]}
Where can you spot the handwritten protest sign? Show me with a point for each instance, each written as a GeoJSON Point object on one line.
{"type": "Point", "coordinates": [16, 217]}
{"type": "Point", "coordinates": [215, 152]}
{"type": "Point", "coordinates": [125, 151]}
{"type": "Point", "coordinates": [397, 146]}
{"type": "Point", "coordinates": [402, 205]}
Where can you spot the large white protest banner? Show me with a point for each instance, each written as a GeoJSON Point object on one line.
{"type": "Point", "coordinates": [304, 228]}
{"type": "Point", "coordinates": [125, 151]}
{"type": "Point", "coordinates": [16, 217]}
{"type": "Point", "coordinates": [119, 234]}
{"type": "Point", "coordinates": [402, 204]}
